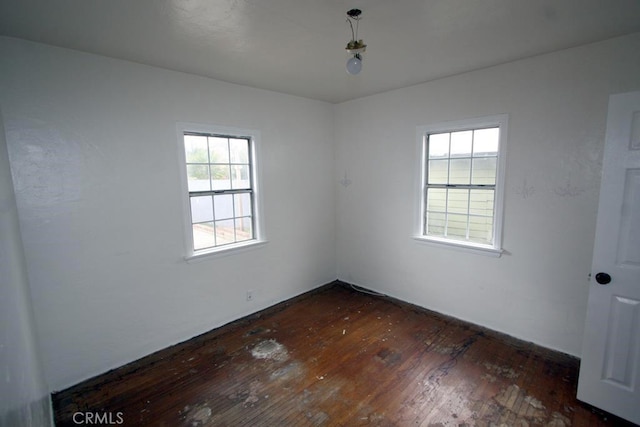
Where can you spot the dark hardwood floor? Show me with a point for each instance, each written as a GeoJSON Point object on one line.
{"type": "Point", "coordinates": [337, 357]}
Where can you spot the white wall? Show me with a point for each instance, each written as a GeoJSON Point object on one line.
{"type": "Point", "coordinates": [24, 397]}
{"type": "Point", "coordinates": [92, 144]}
{"type": "Point", "coordinates": [557, 106]}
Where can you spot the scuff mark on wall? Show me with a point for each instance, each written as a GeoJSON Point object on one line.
{"type": "Point", "coordinates": [525, 190]}
{"type": "Point", "coordinates": [568, 190]}
{"type": "Point", "coordinates": [345, 181]}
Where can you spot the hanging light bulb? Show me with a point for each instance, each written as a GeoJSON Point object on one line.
{"type": "Point", "coordinates": [355, 47]}
{"type": "Point", "coordinates": [354, 65]}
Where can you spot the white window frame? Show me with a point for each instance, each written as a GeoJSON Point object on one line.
{"type": "Point", "coordinates": [422, 132]}
{"type": "Point", "coordinates": [258, 220]}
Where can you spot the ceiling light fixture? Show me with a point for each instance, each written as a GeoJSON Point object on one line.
{"type": "Point", "coordinates": [355, 47]}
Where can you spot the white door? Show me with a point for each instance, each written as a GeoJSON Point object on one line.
{"type": "Point", "coordinates": [610, 367]}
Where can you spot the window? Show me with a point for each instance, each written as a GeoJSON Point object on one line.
{"type": "Point", "coordinates": [461, 185]}
{"type": "Point", "coordinates": [222, 205]}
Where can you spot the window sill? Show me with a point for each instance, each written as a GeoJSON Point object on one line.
{"type": "Point", "coordinates": [461, 246]}
{"type": "Point", "coordinates": [225, 250]}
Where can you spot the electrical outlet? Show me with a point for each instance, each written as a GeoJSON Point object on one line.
{"type": "Point", "coordinates": [249, 295]}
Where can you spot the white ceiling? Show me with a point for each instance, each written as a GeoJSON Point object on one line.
{"type": "Point", "coordinates": [297, 46]}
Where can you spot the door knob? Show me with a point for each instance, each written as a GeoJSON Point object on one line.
{"type": "Point", "coordinates": [603, 278]}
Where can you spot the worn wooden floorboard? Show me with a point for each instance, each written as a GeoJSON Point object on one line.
{"type": "Point", "coordinates": [341, 358]}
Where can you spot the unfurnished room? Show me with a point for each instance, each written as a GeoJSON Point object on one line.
{"type": "Point", "coordinates": [320, 213]}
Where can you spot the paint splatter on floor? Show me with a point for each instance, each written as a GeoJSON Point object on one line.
{"type": "Point", "coordinates": [270, 349]}
{"type": "Point", "coordinates": [198, 415]}
{"type": "Point", "coordinates": [288, 372]}
{"type": "Point", "coordinates": [517, 401]}
{"type": "Point", "coordinates": [503, 371]}
{"type": "Point", "coordinates": [528, 410]}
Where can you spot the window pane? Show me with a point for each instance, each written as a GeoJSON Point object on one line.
{"type": "Point", "coordinates": [438, 145]}
{"type": "Point", "coordinates": [218, 149]}
{"type": "Point", "coordinates": [198, 178]}
{"type": "Point", "coordinates": [458, 201]}
{"type": "Point", "coordinates": [456, 162]}
{"type": "Point", "coordinates": [203, 236]}
{"type": "Point", "coordinates": [201, 209]}
{"type": "Point", "coordinates": [435, 224]}
{"type": "Point", "coordinates": [223, 205]}
{"type": "Point", "coordinates": [239, 150]}
{"type": "Point", "coordinates": [457, 226]}
{"type": "Point", "coordinates": [195, 149]}
{"type": "Point", "coordinates": [240, 176]}
{"type": "Point", "coordinates": [243, 229]}
{"type": "Point", "coordinates": [461, 143]}
{"type": "Point", "coordinates": [438, 171]}
{"type": "Point", "coordinates": [481, 229]}
{"type": "Point", "coordinates": [485, 142]}
{"type": "Point", "coordinates": [484, 171]}
{"type": "Point", "coordinates": [437, 199]}
{"type": "Point", "coordinates": [220, 177]}
{"type": "Point", "coordinates": [225, 232]}
{"type": "Point", "coordinates": [242, 203]}
{"type": "Point", "coordinates": [481, 202]}
{"type": "Point", "coordinates": [460, 172]}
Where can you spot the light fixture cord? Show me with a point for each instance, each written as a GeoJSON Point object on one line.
{"type": "Point", "coordinates": [353, 35]}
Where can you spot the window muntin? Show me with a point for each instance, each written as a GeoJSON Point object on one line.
{"type": "Point", "coordinates": [221, 189]}
{"type": "Point", "coordinates": [460, 185]}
